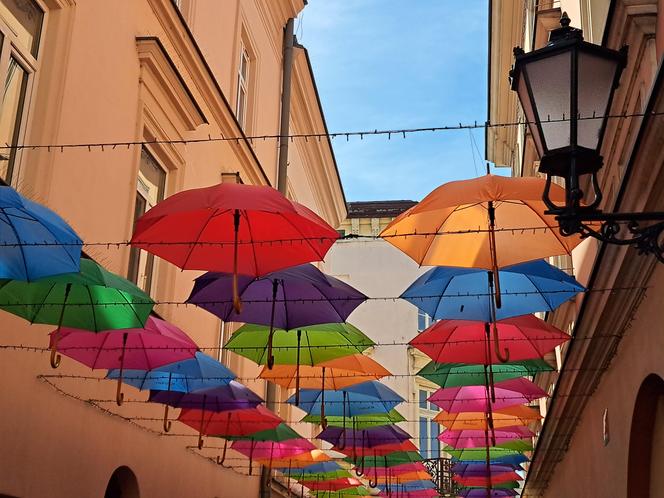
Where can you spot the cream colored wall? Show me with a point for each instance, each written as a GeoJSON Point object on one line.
{"type": "Point", "coordinates": [89, 89]}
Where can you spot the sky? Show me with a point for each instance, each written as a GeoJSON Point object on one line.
{"type": "Point", "coordinates": [392, 64]}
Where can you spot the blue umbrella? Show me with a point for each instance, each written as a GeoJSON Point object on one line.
{"type": "Point", "coordinates": [194, 374]}
{"type": "Point", "coordinates": [465, 293]}
{"type": "Point", "coordinates": [360, 399]}
{"type": "Point", "coordinates": [34, 241]}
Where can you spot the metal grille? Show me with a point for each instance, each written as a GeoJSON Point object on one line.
{"type": "Point", "coordinates": [441, 474]}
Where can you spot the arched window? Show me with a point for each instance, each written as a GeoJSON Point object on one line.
{"type": "Point", "coordinates": [122, 484]}
{"type": "Point", "coordinates": [645, 478]}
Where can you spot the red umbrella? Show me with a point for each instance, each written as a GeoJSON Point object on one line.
{"type": "Point", "coordinates": [247, 229]}
{"type": "Point", "coordinates": [466, 341]}
{"type": "Point", "coordinates": [484, 481]}
{"type": "Point", "coordinates": [381, 450]}
{"type": "Point", "coordinates": [229, 423]}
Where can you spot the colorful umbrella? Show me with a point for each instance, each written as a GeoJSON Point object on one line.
{"type": "Point", "coordinates": [93, 299]}
{"type": "Point", "coordinates": [505, 417]}
{"type": "Point", "coordinates": [361, 448]}
{"type": "Point", "coordinates": [497, 454]}
{"type": "Point", "coordinates": [331, 485]}
{"type": "Point", "coordinates": [339, 373]}
{"type": "Point", "coordinates": [463, 374]}
{"type": "Point", "coordinates": [474, 438]}
{"type": "Point", "coordinates": [485, 481]}
{"type": "Point", "coordinates": [158, 343]}
{"type": "Point", "coordinates": [391, 460]}
{"type": "Point", "coordinates": [299, 461]}
{"type": "Point", "coordinates": [465, 294]}
{"type": "Point", "coordinates": [34, 241]}
{"type": "Point", "coordinates": [358, 421]}
{"type": "Point", "coordinates": [364, 438]}
{"type": "Point", "coordinates": [485, 493]}
{"type": "Point", "coordinates": [469, 341]}
{"type": "Point", "coordinates": [488, 222]}
{"type": "Point", "coordinates": [272, 449]}
{"type": "Point", "coordinates": [359, 491]}
{"type": "Point", "coordinates": [480, 469]}
{"type": "Point", "coordinates": [474, 399]}
{"type": "Point", "coordinates": [322, 471]}
{"type": "Point", "coordinates": [229, 423]}
{"type": "Point", "coordinates": [404, 468]}
{"type": "Point", "coordinates": [247, 229]}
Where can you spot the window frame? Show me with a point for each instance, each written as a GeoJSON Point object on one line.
{"type": "Point", "coordinates": [428, 413]}
{"type": "Point", "coordinates": [11, 48]}
{"type": "Point", "coordinates": [243, 85]}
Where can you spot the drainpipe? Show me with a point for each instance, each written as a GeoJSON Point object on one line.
{"type": "Point", "coordinates": [282, 186]}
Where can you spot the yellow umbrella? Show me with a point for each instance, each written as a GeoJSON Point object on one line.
{"type": "Point", "coordinates": [339, 373]}
{"type": "Point", "coordinates": [519, 415]}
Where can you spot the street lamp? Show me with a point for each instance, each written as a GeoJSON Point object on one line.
{"type": "Point", "coordinates": [565, 90]}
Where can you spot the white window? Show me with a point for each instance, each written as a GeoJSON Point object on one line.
{"type": "Point", "coordinates": [150, 187]}
{"type": "Point", "coordinates": [428, 429]}
{"type": "Point", "coordinates": [20, 32]}
{"type": "Point", "coordinates": [242, 87]}
{"type": "Point", "coordinates": [423, 320]}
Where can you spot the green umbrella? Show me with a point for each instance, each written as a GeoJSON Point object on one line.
{"type": "Point", "coordinates": [389, 460]}
{"type": "Point", "coordinates": [480, 453]}
{"type": "Point", "coordinates": [359, 421]}
{"type": "Point", "coordinates": [502, 485]}
{"type": "Point", "coordinates": [315, 344]}
{"type": "Point", "coordinates": [282, 432]}
{"type": "Point", "coordinates": [463, 374]}
{"type": "Point", "coordinates": [93, 299]}
{"type": "Point", "coordinates": [342, 493]}
{"type": "Point", "coordinates": [300, 475]}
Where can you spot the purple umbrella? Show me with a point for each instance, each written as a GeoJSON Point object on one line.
{"type": "Point", "coordinates": [480, 469]}
{"type": "Point", "coordinates": [364, 438]}
{"type": "Point", "coordinates": [484, 493]}
{"type": "Point", "coordinates": [287, 299]}
{"type": "Point", "coordinates": [233, 396]}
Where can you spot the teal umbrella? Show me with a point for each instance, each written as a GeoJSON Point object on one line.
{"type": "Point", "coordinates": [465, 374]}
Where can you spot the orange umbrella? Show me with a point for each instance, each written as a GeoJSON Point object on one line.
{"type": "Point", "coordinates": [339, 373]}
{"type": "Point", "coordinates": [519, 415]}
{"type": "Point", "coordinates": [298, 461]}
{"type": "Point", "coordinates": [416, 475]}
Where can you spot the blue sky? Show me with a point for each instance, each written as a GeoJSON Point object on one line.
{"type": "Point", "coordinates": [400, 64]}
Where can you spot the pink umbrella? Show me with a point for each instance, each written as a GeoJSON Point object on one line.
{"type": "Point", "coordinates": [158, 343]}
{"type": "Point", "coordinates": [270, 449]}
{"type": "Point", "coordinates": [474, 438]}
{"type": "Point", "coordinates": [509, 392]}
{"type": "Point", "coordinates": [404, 468]}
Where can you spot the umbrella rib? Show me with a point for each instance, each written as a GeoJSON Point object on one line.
{"type": "Point", "coordinates": [550, 305]}
{"type": "Point", "coordinates": [306, 239]}
{"type": "Point", "coordinates": [435, 234]}
{"type": "Point", "coordinates": [99, 350]}
{"type": "Point", "coordinates": [56, 238]}
{"type": "Point", "coordinates": [94, 316]}
{"type": "Point", "coordinates": [555, 234]}
{"type": "Point", "coordinates": [41, 305]}
{"type": "Point", "coordinates": [440, 299]}
{"type": "Point", "coordinates": [251, 239]}
{"type": "Point", "coordinates": [131, 306]}
{"type": "Point", "coordinates": [20, 246]}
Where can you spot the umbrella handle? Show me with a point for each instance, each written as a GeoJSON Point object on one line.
{"type": "Point", "coordinates": [200, 441]}
{"type": "Point", "coordinates": [372, 484]}
{"type": "Point", "coordinates": [167, 423]}
{"type": "Point", "coordinates": [297, 370]}
{"type": "Point", "coordinates": [503, 357]}
{"type": "Point", "coordinates": [237, 303]}
{"type": "Point", "coordinates": [323, 418]}
{"type": "Point", "coordinates": [220, 461]}
{"type": "Point", "coordinates": [200, 432]}
{"type": "Point", "coordinates": [119, 395]}
{"type": "Point", "coordinates": [55, 357]}
{"type": "Point", "coordinates": [343, 433]}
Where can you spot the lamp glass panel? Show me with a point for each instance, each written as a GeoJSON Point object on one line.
{"type": "Point", "coordinates": [596, 75]}
{"type": "Point", "coordinates": [527, 106]}
{"type": "Point", "coordinates": [550, 82]}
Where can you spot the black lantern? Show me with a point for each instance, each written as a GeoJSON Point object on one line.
{"type": "Point", "coordinates": [565, 90]}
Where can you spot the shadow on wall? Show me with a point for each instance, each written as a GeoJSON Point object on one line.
{"type": "Point", "coordinates": [122, 484]}
{"type": "Point", "coordinates": [645, 478]}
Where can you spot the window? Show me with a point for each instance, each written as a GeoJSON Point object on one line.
{"type": "Point", "coordinates": [242, 87]}
{"type": "Point", "coordinates": [20, 32]}
{"type": "Point", "coordinates": [428, 428]}
{"type": "Point", "coordinates": [150, 188]}
{"type": "Point", "coordinates": [423, 320]}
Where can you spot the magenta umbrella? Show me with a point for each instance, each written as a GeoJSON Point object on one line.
{"type": "Point", "coordinates": [404, 468]}
{"type": "Point", "coordinates": [509, 392]}
{"type": "Point", "coordinates": [475, 438]}
{"type": "Point", "coordinates": [272, 449]}
{"type": "Point", "coordinates": [158, 343]}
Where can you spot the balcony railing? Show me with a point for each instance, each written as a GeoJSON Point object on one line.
{"type": "Point", "coordinates": [441, 474]}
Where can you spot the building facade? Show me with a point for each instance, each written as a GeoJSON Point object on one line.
{"type": "Point", "coordinates": [153, 73]}
{"type": "Point", "coordinates": [603, 430]}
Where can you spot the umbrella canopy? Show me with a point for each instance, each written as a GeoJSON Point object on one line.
{"type": "Point", "coordinates": [287, 299]}
{"type": "Point", "coordinates": [156, 344]}
{"type": "Point", "coordinates": [343, 493]}
{"type": "Point", "coordinates": [93, 299]}
{"type": "Point", "coordinates": [336, 339]}
{"type": "Point", "coordinates": [473, 438]}
{"type": "Point", "coordinates": [282, 432]}
{"type": "Point", "coordinates": [322, 471]}
{"type": "Point", "coordinates": [272, 449]}
{"type": "Point", "coordinates": [480, 469]}
{"type": "Point", "coordinates": [230, 423]}
{"type": "Point", "coordinates": [465, 293]}
{"type": "Point", "coordinates": [331, 485]}
{"type": "Point", "coordinates": [497, 454]}
{"type": "Point", "coordinates": [463, 374]}
{"type": "Point", "coordinates": [391, 460]}
{"type": "Point", "coordinates": [198, 229]}
{"type": "Point", "coordinates": [474, 398]}
{"type": "Point", "coordinates": [412, 493]}
{"type": "Point", "coordinates": [358, 421]}
{"type": "Point", "coordinates": [300, 461]}
{"type": "Point", "coordinates": [456, 229]}
{"type": "Point", "coordinates": [365, 438]}
{"type": "Point", "coordinates": [396, 470]}
{"type": "Point", "coordinates": [485, 493]}
{"type": "Point", "coordinates": [365, 398]}
{"type": "Point", "coordinates": [505, 417]}
{"type": "Point", "coordinates": [193, 374]}
{"type": "Point", "coordinates": [484, 481]}
{"type": "Point", "coordinates": [414, 485]}
{"type": "Point", "coordinates": [233, 396]}
{"type": "Point", "coordinates": [34, 241]}
{"type": "Point", "coordinates": [339, 373]}
{"type": "Point", "coordinates": [417, 475]}
{"type": "Point", "coordinates": [526, 337]}
{"type": "Point", "coordinates": [381, 449]}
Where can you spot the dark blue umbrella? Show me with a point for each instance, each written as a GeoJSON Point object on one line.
{"type": "Point", "coordinates": [360, 399]}
{"type": "Point", "coordinates": [465, 293]}
{"type": "Point", "coordinates": [233, 396]}
{"type": "Point", "coordinates": [194, 374]}
{"type": "Point", "coordinates": [34, 241]}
